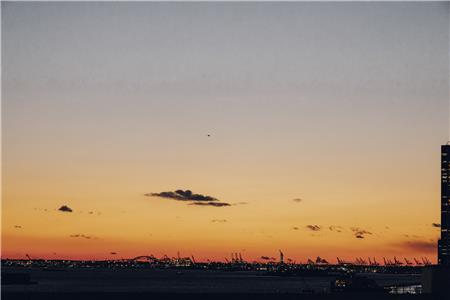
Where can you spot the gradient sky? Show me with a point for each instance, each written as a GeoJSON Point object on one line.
{"type": "Point", "coordinates": [344, 105]}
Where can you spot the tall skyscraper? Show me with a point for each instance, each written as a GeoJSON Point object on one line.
{"type": "Point", "coordinates": [444, 242]}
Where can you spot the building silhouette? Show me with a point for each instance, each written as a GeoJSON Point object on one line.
{"type": "Point", "coordinates": [435, 279]}
{"type": "Point", "coordinates": [444, 242]}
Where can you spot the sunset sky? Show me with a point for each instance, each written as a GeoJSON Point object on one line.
{"type": "Point", "coordinates": [342, 106]}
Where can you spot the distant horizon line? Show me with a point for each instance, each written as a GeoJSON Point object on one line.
{"type": "Point", "coordinates": [398, 260]}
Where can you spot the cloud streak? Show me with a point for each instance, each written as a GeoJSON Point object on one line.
{"type": "Point", "coordinates": [418, 245]}
{"type": "Point", "coordinates": [83, 236]}
{"type": "Point", "coordinates": [214, 204]}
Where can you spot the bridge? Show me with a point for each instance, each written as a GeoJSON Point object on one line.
{"type": "Point", "coordinates": [147, 258]}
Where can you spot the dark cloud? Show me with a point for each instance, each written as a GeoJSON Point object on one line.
{"type": "Point", "coordinates": [219, 221]}
{"type": "Point", "coordinates": [313, 227]}
{"type": "Point", "coordinates": [418, 245]}
{"type": "Point", "coordinates": [17, 226]}
{"type": "Point", "coordinates": [181, 195]}
{"type": "Point", "coordinates": [65, 208]}
{"type": "Point", "coordinates": [297, 200]}
{"type": "Point", "coordinates": [437, 225]}
{"type": "Point", "coordinates": [195, 199]}
{"type": "Point", "coordinates": [295, 228]}
{"type": "Point", "coordinates": [87, 237]}
{"type": "Point", "coordinates": [215, 204]}
{"type": "Point", "coordinates": [359, 232]}
{"type": "Point", "coordinates": [265, 257]}
{"type": "Point", "coordinates": [113, 253]}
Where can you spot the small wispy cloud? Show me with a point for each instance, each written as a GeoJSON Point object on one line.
{"type": "Point", "coordinates": [297, 200]}
{"type": "Point", "coordinates": [335, 228]}
{"type": "Point", "coordinates": [313, 227]}
{"type": "Point", "coordinates": [18, 226]}
{"type": "Point", "coordinates": [414, 236]}
{"type": "Point", "coordinates": [295, 228]}
{"type": "Point", "coordinates": [40, 209]}
{"type": "Point", "coordinates": [219, 221]}
{"type": "Point", "coordinates": [359, 232]}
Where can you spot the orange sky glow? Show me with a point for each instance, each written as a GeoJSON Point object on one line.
{"type": "Point", "coordinates": [343, 107]}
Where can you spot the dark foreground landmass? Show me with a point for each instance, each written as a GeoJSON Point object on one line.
{"type": "Point", "coordinates": [215, 296]}
{"type": "Point", "coordinates": [129, 284]}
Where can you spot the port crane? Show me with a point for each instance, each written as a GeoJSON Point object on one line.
{"type": "Point", "coordinates": [397, 262]}
{"type": "Point", "coordinates": [321, 261]}
{"type": "Point", "coordinates": [388, 262]}
{"type": "Point", "coordinates": [373, 262]}
{"type": "Point", "coordinates": [281, 257]}
{"type": "Point", "coordinates": [361, 261]}
{"type": "Point", "coordinates": [343, 262]}
{"type": "Point", "coordinates": [425, 261]}
{"type": "Point", "coordinates": [408, 262]}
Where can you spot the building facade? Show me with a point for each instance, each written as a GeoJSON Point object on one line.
{"type": "Point", "coordinates": [444, 242]}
